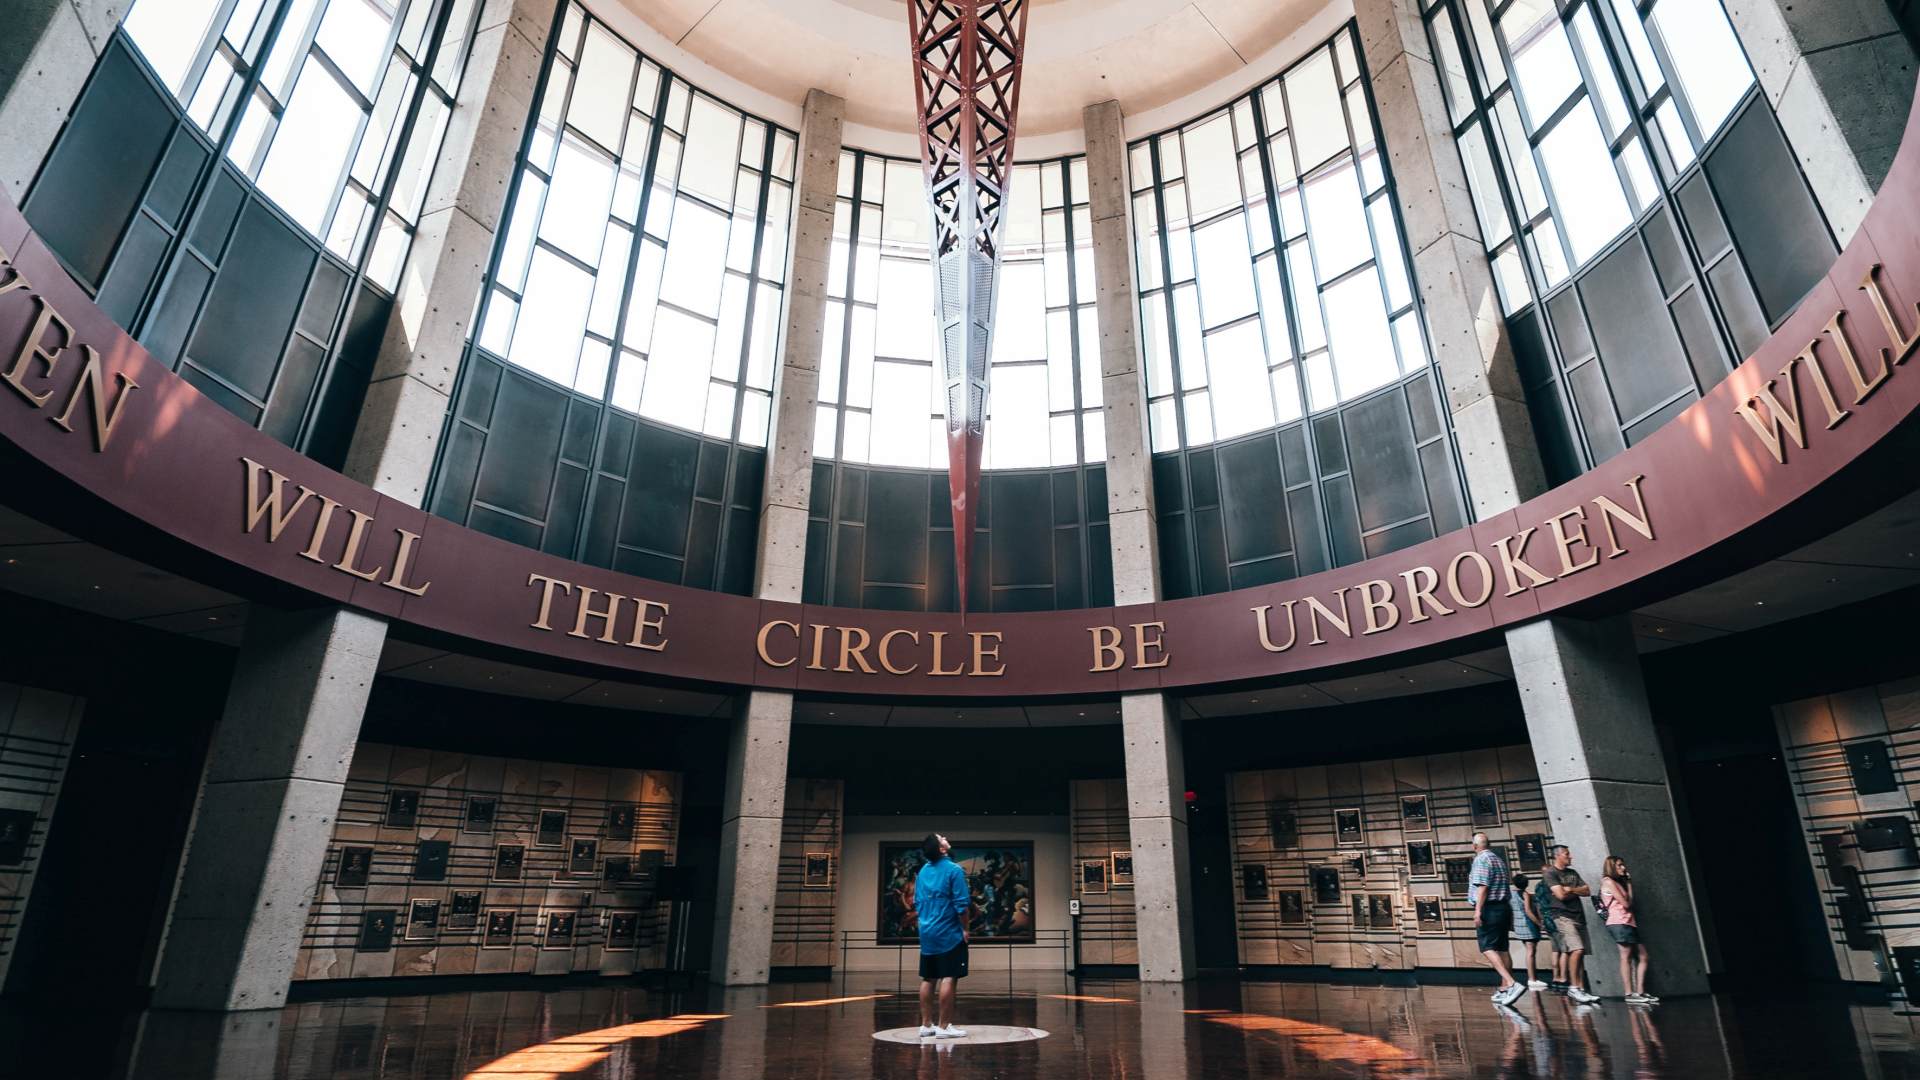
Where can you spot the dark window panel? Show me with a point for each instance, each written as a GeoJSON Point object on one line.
{"type": "Point", "coordinates": [563, 518]}
{"type": "Point", "coordinates": [1775, 225]}
{"type": "Point", "coordinates": [506, 527]}
{"type": "Point", "coordinates": [1591, 397]}
{"type": "Point", "coordinates": [1400, 536]}
{"type": "Point", "coordinates": [710, 476]}
{"type": "Point", "coordinates": [1066, 497]}
{"type": "Point", "coordinates": [1569, 329]}
{"type": "Point", "coordinates": [1703, 218]}
{"type": "Point", "coordinates": [1204, 477]}
{"type": "Point", "coordinates": [1309, 542]}
{"type": "Point", "coordinates": [174, 313]}
{"type": "Point", "coordinates": [298, 374]}
{"type": "Point", "coordinates": [1343, 520]}
{"type": "Point", "coordinates": [217, 211]}
{"type": "Point", "coordinates": [1252, 496]}
{"type": "Point", "coordinates": [1745, 321]}
{"type": "Point", "coordinates": [1670, 262]}
{"type": "Point", "coordinates": [1099, 567]}
{"type": "Point", "coordinates": [1022, 544]}
{"type": "Point", "coordinates": [1176, 557]}
{"type": "Point", "coordinates": [983, 510]}
{"type": "Point", "coordinates": [1652, 423]}
{"type": "Point", "coordinates": [980, 577]}
{"type": "Point", "coordinates": [458, 467]}
{"type": "Point", "coordinates": [660, 490]}
{"type": "Point", "coordinates": [1029, 598]}
{"type": "Point", "coordinates": [1263, 572]}
{"type": "Point", "coordinates": [603, 520]}
{"type": "Point", "coordinates": [254, 299]}
{"type": "Point", "coordinates": [648, 564]}
{"type": "Point", "coordinates": [851, 503]}
{"type": "Point", "coordinates": [1293, 454]}
{"type": "Point", "coordinates": [322, 304]}
{"type": "Point", "coordinates": [346, 389]}
{"type": "Point", "coordinates": [1210, 550]}
{"type": "Point", "coordinates": [1697, 332]}
{"type": "Point", "coordinates": [173, 184]}
{"type": "Point", "coordinates": [813, 586]}
{"type": "Point", "coordinates": [703, 546]}
{"type": "Point", "coordinates": [1386, 474]}
{"type": "Point", "coordinates": [133, 271]}
{"type": "Point", "coordinates": [1637, 343]}
{"type": "Point", "coordinates": [221, 395]}
{"type": "Point", "coordinates": [1424, 408]}
{"type": "Point", "coordinates": [576, 444]}
{"type": "Point", "coordinates": [1559, 452]}
{"type": "Point", "coordinates": [749, 468]}
{"type": "Point", "coordinates": [736, 569]}
{"type": "Point", "coordinates": [899, 536]}
{"type": "Point", "coordinates": [1069, 583]}
{"type": "Point", "coordinates": [848, 564]}
{"type": "Point", "coordinates": [516, 473]}
{"type": "Point", "coordinates": [477, 390]}
{"type": "Point", "coordinates": [1328, 445]}
{"type": "Point", "coordinates": [893, 598]}
{"type": "Point", "coordinates": [1443, 487]}
{"type": "Point", "coordinates": [940, 500]}
{"type": "Point", "coordinates": [820, 496]}
{"type": "Point", "coordinates": [940, 585]}
{"type": "Point", "coordinates": [1096, 493]}
{"type": "Point", "coordinates": [1169, 484]}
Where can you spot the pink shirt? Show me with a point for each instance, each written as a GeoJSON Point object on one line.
{"type": "Point", "coordinates": [1615, 904]}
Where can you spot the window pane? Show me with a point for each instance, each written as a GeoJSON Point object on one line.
{"type": "Point", "coordinates": [708, 162]}
{"type": "Point", "coordinates": [1337, 222]}
{"type": "Point", "coordinates": [1225, 270]}
{"type": "Point", "coordinates": [354, 35]}
{"type": "Point", "coordinates": [1241, 399]}
{"type": "Point", "coordinates": [599, 105]}
{"type": "Point", "coordinates": [576, 213]}
{"type": "Point", "coordinates": [1213, 183]}
{"type": "Point", "coordinates": [696, 252]}
{"type": "Point", "coordinates": [546, 340]}
{"type": "Point", "coordinates": [676, 386]}
{"type": "Point", "coordinates": [169, 32]}
{"type": "Point", "coordinates": [316, 134]}
{"type": "Point", "coordinates": [1362, 348]}
{"type": "Point", "coordinates": [1713, 71]}
{"type": "Point", "coordinates": [1584, 184]}
{"type": "Point", "coordinates": [1543, 64]}
{"type": "Point", "coordinates": [1313, 104]}
{"type": "Point", "coordinates": [900, 396]}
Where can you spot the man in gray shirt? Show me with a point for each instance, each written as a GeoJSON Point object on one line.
{"type": "Point", "coordinates": [1569, 920]}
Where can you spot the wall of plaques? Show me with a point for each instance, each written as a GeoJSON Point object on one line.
{"type": "Point", "coordinates": [1851, 757]}
{"type": "Point", "coordinates": [1102, 872]}
{"type": "Point", "coordinates": [455, 864]}
{"type": "Point", "coordinates": [803, 905]}
{"type": "Point", "coordinates": [37, 729]}
{"type": "Point", "coordinates": [1365, 865]}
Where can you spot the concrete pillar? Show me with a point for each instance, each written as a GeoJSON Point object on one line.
{"type": "Point", "coordinates": [1605, 781]}
{"type": "Point", "coordinates": [1484, 398]}
{"type": "Point", "coordinates": [1840, 76]}
{"type": "Point", "coordinates": [1156, 772]}
{"type": "Point", "coordinates": [757, 752]}
{"type": "Point", "coordinates": [407, 397]}
{"type": "Point", "coordinates": [274, 776]}
{"type": "Point", "coordinates": [47, 51]}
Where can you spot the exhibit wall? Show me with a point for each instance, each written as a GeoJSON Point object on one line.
{"type": "Point", "coordinates": [1102, 872]}
{"type": "Point", "coordinates": [804, 900]}
{"type": "Point", "coordinates": [456, 864]}
{"type": "Point", "coordinates": [1365, 865]}
{"type": "Point", "coordinates": [1849, 755]}
{"type": "Point", "coordinates": [37, 729]}
{"type": "Point", "coordinates": [859, 900]}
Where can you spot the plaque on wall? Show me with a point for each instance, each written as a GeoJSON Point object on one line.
{"type": "Point", "coordinates": [1326, 885]}
{"type": "Point", "coordinates": [1457, 872]}
{"type": "Point", "coordinates": [817, 870]}
{"type": "Point", "coordinates": [1530, 850]}
{"type": "Point", "coordinates": [559, 929]}
{"type": "Point", "coordinates": [1357, 865]}
{"type": "Point", "coordinates": [553, 829]}
{"type": "Point", "coordinates": [1420, 858]}
{"type": "Point", "coordinates": [423, 919]}
{"type": "Point", "coordinates": [1093, 876]}
{"type": "Point", "coordinates": [1358, 902]}
{"type": "Point", "coordinates": [1347, 829]}
{"type": "Point", "coordinates": [356, 864]}
{"type": "Point", "coordinates": [1872, 767]}
{"type": "Point", "coordinates": [1429, 915]}
{"type": "Point", "coordinates": [1380, 911]}
{"type": "Point", "coordinates": [1293, 908]}
{"type": "Point", "coordinates": [620, 819]}
{"type": "Point", "coordinates": [623, 931]}
{"type": "Point", "coordinates": [403, 808]}
{"type": "Point", "coordinates": [584, 859]}
{"type": "Point", "coordinates": [430, 860]}
{"type": "Point", "coordinates": [1253, 881]}
{"type": "Point", "coordinates": [509, 862]}
{"type": "Point", "coordinates": [464, 912]}
{"type": "Point", "coordinates": [1893, 833]}
{"type": "Point", "coordinates": [1413, 814]}
{"type": "Point", "coordinates": [1485, 805]}
{"type": "Point", "coordinates": [16, 831]}
{"type": "Point", "coordinates": [1122, 869]}
{"type": "Point", "coordinates": [1283, 822]}
{"type": "Point", "coordinates": [1837, 852]}
{"type": "Point", "coordinates": [376, 931]}
{"type": "Point", "coordinates": [481, 811]}
{"type": "Point", "coordinates": [619, 870]}
{"type": "Point", "coordinates": [499, 933]}
{"type": "Point", "coordinates": [651, 861]}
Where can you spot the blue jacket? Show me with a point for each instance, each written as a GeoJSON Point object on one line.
{"type": "Point", "coordinates": [941, 897]}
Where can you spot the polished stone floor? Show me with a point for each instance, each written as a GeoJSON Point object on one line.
{"type": "Point", "coordinates": [1218, 1030]}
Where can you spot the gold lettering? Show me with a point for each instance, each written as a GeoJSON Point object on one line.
{"type": "Point", "coordinates": [642, 624]}
{"type": "Point", "coordinates": [403, 564]}
{"type": "Point", "coordinates": [1371, 605]}
{"type": "Point", "coordinates": [1509, 561]}
{"type": "Point", "coordinates": [1317, 611]}
{"type": "Point", "coordinates": [760, 644]}
{"type": "Point", "coordinates": [35, 348]}
{"type": "Point", "coordinates": [1835, 413]}
{"type": "Point", "coordinates": [90, 383]}
{"type": "Point", "coordinates": [850, 651]}
{"type": "Point", "coordinates": [939, 644]}
{"type": "Point", "coordinates": [1486, 579]}
{"type": "Point", "coordinates": [546, 597]}
{"type": "Point", "coordinates": [886, 640]}
{"type": "Point", "coordinates": [1563, 541]}
{"type": "Point", "coordinates": [1418, 593]}
{"type": "Point", "coordinates": [320, 525]}
{"type": "Point", "coordinates": [1266, 639]}
{"type": "Point", "coordinates": [981, 654]}
{"type": "Point", "coordinates": [356, 537]}
{"type": "Point", "coordinates": [1902, 344]}
{"type": "Point", "coordinates": [1106, 647]}
{"type": "Point", "coordinates": [1611, 511]}
{"type": "Point", "coordinates": [269, 507]}
{"type": "Point", "coordinates": [819, 645]}
{"type": "Point", "coordinates": [1862, 386]}
{"type": "Point", "coordinates": [585, 611]}
{"type": "Point", "coordinates": [19, 278]}
{"type": "Point", "coordinates": [1780, 417]}
{"type": "Point", "coordinates": [1141, 643]}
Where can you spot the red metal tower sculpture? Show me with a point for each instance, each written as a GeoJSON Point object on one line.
{"type": "Point", "coordinates": [966, 66]}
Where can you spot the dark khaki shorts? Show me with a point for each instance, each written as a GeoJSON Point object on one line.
{"type": "Point", "coordinates": [1569, 934]}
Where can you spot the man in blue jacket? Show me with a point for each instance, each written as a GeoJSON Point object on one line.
{"type": "Point", "coordinates": [942, 898]}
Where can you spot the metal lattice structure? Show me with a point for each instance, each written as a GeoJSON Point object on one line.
{"type": "Point", "coordinates": [966, 65]}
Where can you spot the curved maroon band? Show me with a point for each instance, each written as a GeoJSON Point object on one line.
{"type": "Point", "coordinates": [1787, 447]}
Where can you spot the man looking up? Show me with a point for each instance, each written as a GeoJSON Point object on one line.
{"type": "Point", "coordinates": [941, 897]}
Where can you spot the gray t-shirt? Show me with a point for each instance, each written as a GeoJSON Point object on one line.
{"type": "Point", "coordinates": [1568, 878]}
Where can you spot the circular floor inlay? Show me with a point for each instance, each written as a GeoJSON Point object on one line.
{"type": "Point", "coordinates": [977, 1035]}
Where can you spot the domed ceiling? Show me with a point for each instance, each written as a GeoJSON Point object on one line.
{"type": "Point", "coordinates": [1145, 53]}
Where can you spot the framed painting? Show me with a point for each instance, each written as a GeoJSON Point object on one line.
{"type": "Point", "coordinates": [1484, 803]}
{"type": "Point", "coordinates": [1530, 851]}
{"type": "Point", "coordinates": [1347, 828]}
{"type": "Point", "coordinates": [1283, 822]}
{"type": "Point", "coordinates": [430, 858]}
{"type": "Point", "coordinates": [1293, 908]}
{"type": "Point", "coordinates": [1380, 911]}
{"type": "Point", "coordinates": [1093, 876]}
{"type": "Point", "coordinates": [403, 809]}
{"type": "Point", "coordinates": [1326, 884]}
{"type": "Point", "coordinates": [623, 931]}
{"type": "Point", "coordinates": [817, 870]}
{"type": "Point", "coordinates": [464, 912]}
{"type": "Point", "coordinates": [1253, 881]}
{"type": "Point", "coordinates": [423, 920]}
{"type": "Point", "coordinates": [1457, 871]}
{"type": "Point", "coordinates": [999, 875]}
{"type": "Point", "coordinates": [500, 926]}
{"type": "Point", "coordinates": [1120, 873]}
{"type": "Point", "coordinates": [1429, 915]}
{"type": "Point", "coordinates": [1414, 816]}
{"type": "Point", "coordinates": [356, 864]}
{"type": "Point", "coordinates": [480, 815]}
{"type": "Point", "coordinates": [620, 820]}
{"type": "Point", "coordinates": [553, 829]}
{"type": "Point", "coordinates": [584, 859]}
{"type": "Point", "coordinates": [509, 862]}
{"type": "Point", "coordinates": [1420, 859]}
{"type": "Point", "coordinates": [376, 931]}
{"type": "Point", "coordinates": [559, 929]}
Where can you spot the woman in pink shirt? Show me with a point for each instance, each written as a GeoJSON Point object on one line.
{"type": "Point", "coordinates": [1616, 903]}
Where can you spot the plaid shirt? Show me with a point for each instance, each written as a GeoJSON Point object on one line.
{"type": "Point", "coordinates": [1490, 870]}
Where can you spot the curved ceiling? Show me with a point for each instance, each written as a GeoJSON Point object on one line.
{"type": "Point", "coordinates": [1143, 53]}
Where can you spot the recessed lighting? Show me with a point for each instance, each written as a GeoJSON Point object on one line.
{"type": "Point", "coordinates": [1759, 603]}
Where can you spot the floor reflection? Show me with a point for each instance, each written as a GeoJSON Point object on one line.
{"type": "Point", "coordinates": [1219, 1030]}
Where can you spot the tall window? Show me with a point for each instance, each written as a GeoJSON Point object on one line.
{"type": "Point", "coordinates": [644, 256]}
{"type": "Point", "coordinates": [1272, 275]}
{"type": "Point", "coordinates": [880, 393]}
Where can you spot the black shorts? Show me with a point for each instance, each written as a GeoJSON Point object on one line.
{"type": "Point", "coordinates": [1495, 920]}
{"type": "Point", "coordinates": [951, 964]}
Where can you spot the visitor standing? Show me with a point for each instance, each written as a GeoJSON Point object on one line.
{"type": "Point", "coordinates": [941, 898]}
{"type": "Point", "coordinates": [1616, 903]}
{"type": "Point", "coordinates": [1488, 885]}
{"type": "Point", "coordinates": [1570, 921]}
{"type": "Point", "coordinates": [1543, 906]}
{"type": "Point", "coordinates": [1528, 926]}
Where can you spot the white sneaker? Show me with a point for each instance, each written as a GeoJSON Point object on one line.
{"type": "Point", "coordinates": [1536, 984]}
{"type": "Point", "coordinates": [1582, 996]}
{"type": "Point", "coordinates": [1514, 993]}
{"type": "Point", "coordinates": [950, 1032]}
{"type": "Point", "coordinates": [927, 1030]}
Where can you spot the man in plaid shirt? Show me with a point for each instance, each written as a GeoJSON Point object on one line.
{"type": "Point", "coordinates": [1487, 885]}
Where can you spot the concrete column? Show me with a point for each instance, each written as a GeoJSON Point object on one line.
{"type": "Point", "coordinates": [1605, 781]}
{"type": "Point", "coordinates": [1156, 773]}
{"type": "Point", "coordinates": [1840, 77]}
{"type": "Point", "coordinates": [47, 51]}
{"type": "Point", "coordinates": [407, 397]}
{"type": "Point", "coordinates": [757, 752]}
{"type": "Point", "coordinates": [274, 777]}
{"type": "Point", "coordinates": [1484, 398]}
